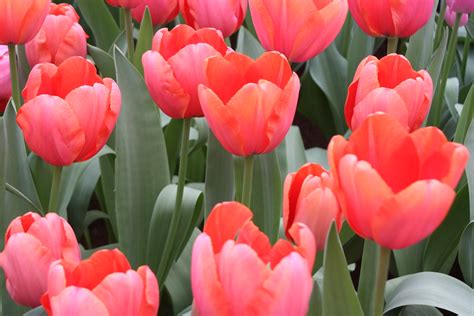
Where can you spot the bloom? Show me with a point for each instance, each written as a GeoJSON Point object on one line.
{"type": "Point", "coordinates": [391, 18]}
{"type": "Point", "coordinates": [300, 29]}
{"type": "Point", "coordinates": [60, 37]}
{"type": "Point", "coordinates": [175, 67]}
{"type": "Point", "coordinates": [5, 83]}
{"type": "Point", "coordinates": [70, 111]}
{"type": "Point", "coordinates": [104, 284]}
{"type": "Point", "coordinates": [127, 4]}
{"type": "Point", "coordinates": [235, 271]}
{"type": "Point", "coordinates": [308, 198]}
{"type": "Point", "coordinates": [20, 20]}
{"type": "Point", "coordinates": [461, 6]}
{"type": "Point", "coordinates": [161, 11]}
{"type": "Point", "coordinates": [224, 15]}
{"type": "Point", "coordinates": [389, 85]}
{"type": "Point", "coordinates": [395, 187]}
{"type": "Point", "coordinates": [450, 17]}
{"type": "Point", "coordinates": [251, 113]}
{"type": "Point", "coordinates": [32, 243]}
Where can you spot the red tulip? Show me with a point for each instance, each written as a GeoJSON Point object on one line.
{"type": "Point", "coordinates": [389, 85]}
{"type": "Point", "coordinates": [300, 29]}
{"type": "Point", "coordinates": [21, 20]}
{"type": "Point", "coordinates": [395, 187]}
{"type": "Point", "coordinates": [32, 243]}
{"type": "Point", "coordinates": [127, 4]}
{"type": "Point", "coordinates": [235, 271]}
{"type": "Point", "coordinates": [102, 285]}
{"type": "Point", "coordinates": [461, 6]}
{"type": "Point", "coordinates": [70, 111]}
{"type": "Point", "coordinates": [60, 37]}
{"type": "Point", "coordinates": [224, 15]}
{"type": "Point", "coordinates": [450, 17]}
{"type": "Point", "coordinates": [308, 198]}
{"type": "Point", "coordinates": [5, 84]}
{"type": "Point", "coordinates": [174, 68]}
{"type": "Point", "coordinates": [161, 11]}
{"type": "Point", "coordinates": [252, 112]}
{"type": "Point", "coordinates": [391, 18]}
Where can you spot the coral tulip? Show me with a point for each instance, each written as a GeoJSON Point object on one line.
{"type": "Point", "coordinates": [32, 243]}
{"type": "Point", "coordinates": [461, 6]}
{"type": "Point", "coordinates": [21, 20]}
{"type": "Point", "coordinates": [5, 84]}
{"type": "Point", "coordinates": [300, 29]}
{"type": "Point", "coordinates": [70, 111]}
{"type": "Point", "coordinates": [235, 271]}
{"type": "Point", "coordinates": [391, 18]}
{"type": "Point", "coordinates": [251, 113]}
{"type": "Point", "coordinates": [161, 11]}
{"type": "Point", "coordinates": [174, 68]}
{"type": "Point", "coordinates": [389, 85]}
{"type": "Point", "coordinates": [60, 37]}
{"type": "Point", "coordinates": [224, 15]}
{"type": "Point", "coordinates": [308, 198]}
{"type": "Point", "coordinates": [127, 4]}
{"type": "Point", "coordinates": [102, 285]}
{"type": "Point", "coordinates": [395, 187]}
{"type": "Point", "coordinates": [450, 17]}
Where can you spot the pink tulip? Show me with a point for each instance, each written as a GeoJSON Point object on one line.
{"type": "Point", "coordinates": [461, 6]}
{"type": "Point", "coordinates": [103, 285]}
{"type": "Point", "coordinates": [127, 4]}
{"type": "Point", "coordinates": [235, 271]}
{"type": "Point", "coordinates": [300, 29]}
{"type": "Point", "coordinates": [60, 37]}
{"type": "Point", "coordinates": [225, 15]}
{"type": "Point", "coordinates": [161, 11]}
{"type": "Point", "coordinates": [32, 243]}
{"type": "Point", "coordinates": [450, 17]}
{"type": "Point", "coordinates": [5, 84]}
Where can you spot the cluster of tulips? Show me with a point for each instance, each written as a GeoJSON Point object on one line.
{"type": "Point", "coordinates": [391, 179]}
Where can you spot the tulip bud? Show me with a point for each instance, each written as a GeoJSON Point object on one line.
{"type": "Point", "coordinates": [461, 6]}
{"type": "Point", "coordinates": [5, 84]}
{"type": "Point", "coordinates": [127, 4]}
{"type": "Point", "coordinates": [450, 17]}
{"type": "Point", "coordinates": [161, 11]}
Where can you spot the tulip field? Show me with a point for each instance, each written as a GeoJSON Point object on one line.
{"type": "Point", "coordinates": [236, 157]}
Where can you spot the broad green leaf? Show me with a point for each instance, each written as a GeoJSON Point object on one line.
{"type": "Point", "coordinates": [361, 46]}
{"type": "Point", "coordinates": [432, 289]}
{"type": "Point", "coordinates": [410, 260]}
{"type": "Point", "coordinates": [451, 96]}
{"type": "Point", "coordinates": [318, 155]}
{"type": "Point", "coordinates": [39, 311]}
{"type": "Point", "coordinates": [141, 166]}
{"type": "Point", "coordinates": [173, 132]}
{"type": "Point", "coordinates": [367, 277]}
{"type": "Point", "coordinates": [42, 176]}
{"type": "Point", "coordinates": [99, 19]}
{"type": "Point", "coordinates": [469, 143]}
{"type": "Point", "coordinates": [466, 118]}
{"type": "Point", "coordinates": [436, 63]}
{"type": "Point", "coordinates": [339, 296]}
{"type": "Point", "coordinates": [107, 182]}
{"type": "Point", "coordinates": [420, 310]}
{"type": "Point", "coordinates": [466, 254]}
{"type": "Point", "coordinates": [248, 44]}
{"type": "Point", "coordinates": [316, 301]}
{"type": "Point", "coordinates": [145, 37]}
{"type": "Point", "coordinates": [3, 154]}
{"type": "Point", "coordinates": [291, 152]}
{"type": "Point", "coordinates": [103, 61]}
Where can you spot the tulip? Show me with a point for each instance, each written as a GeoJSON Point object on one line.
{"type": "Point", "coordinates": [389, 85]}
{"type": "Point", "coordinates": [450, 17]}
{"type": "Point", "coordinates": [395, 187]}
{"type": "Point", "coordinates": [174, 68]}
{"type": "Point", "coordinates": [5, 84]}
{"type": "Point", "coordinates": [127, 4]}
{"type": "Point", "coordinates": [235, 271]}
{"type": "Point", "coordinates": [308, 198]}
{"type": "Point", "coordinates": [70, 111]}
{"type": "Point", "coordinates": [251, 113]}
{"type": "Point", "coordinates": [162, 11]}
{"type": "Point", "coordinates": [461, 6]}
{"type": "Point", "coordinates": [21, 20]}
{"type": "Point", "coordinates": [32, 243]}
{"type": "Point", "coordinates": [300, 29]}
{"type": "Point", "coordinates": [60, 37]}
{"type": "Point", "coordinates": [391, 18]}
{"type": "Point", "coordinates": [104, 284]}
{"type": "Point", "coordinates": [224, 15]}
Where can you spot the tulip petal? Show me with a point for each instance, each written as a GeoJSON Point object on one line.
{"type": "Point", "coordinates": [273, 67]}
{"type": "Point", "coordinates": [168, 43]}
{"type": "Point", "coordinates": [21, 224]}
{"type": "Point", "coordinates": [409, 16]}
{"type": "Point", "coordinates": [374, 17]}
{"type": "Point", "coordinates": [151, 293]}
{"type": "Point", "coordinates": [251, 235]}
{"type": "Point", "coordinates": [75, 301]}
{"type": "Point", "coordinates": [40, 81]}
{"type": "Point", "coordinates": [73, 73]}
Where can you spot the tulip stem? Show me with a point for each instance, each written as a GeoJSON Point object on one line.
{"type": "Point", "coordinates": [14, 76]}
{"type": "Point", "coordinates": [247, 185]}
{"type": "Point", "coordinates": [127, 17]}
{"type": "Point", "coordinates": [167, 258]}
{"type": "Point", "coordinates": [440, 24]}
{"type": "Point", "coordinates": [465, 57]}
{"type": "Point", "coordinates": [392, 45]}
{"type": "Point", "coordinates": [437, 106]}
{"type": "Point", "coordinates": [381, 278]}
{"type": "Point", "coordinates": [55, 186]}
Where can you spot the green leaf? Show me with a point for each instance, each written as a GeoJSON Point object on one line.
{"type": "Point", "coordinates": [339, 296]}
{"type": "Point", "coordinates": [466, 254]}
{"type": "Point", "coordinates": [466, 118]}
{"type": "Point", "coordinates": [107, 181]}
{"type": "Point", "coordinates": [436, 63]}
{"type": "Point", "coordinates": [432, 289]}
{"type": "Point", "coordinates": [39, 311]}
{"type": "Point", "coordinates": [173, 133]}
{"type": "Point", "coordinates": [469, 143]}
{"type": "Point", "coordinates": [99, 19]}
{"type": "Point", "coordinates": [318, 155]}
{"type": "Point", "coordinates": [145, 38]}
{"type": "Point", "coordinates": [103, 61]}
{"type": "Point", "coordinates": [248, 44]}
{"type": "Point", "coordinates": [141, 166]}
{"type": "Point", "coordinates": [361, 46]}
{"type": "Point", "coordinates": [367, 278]}
{"type": "Point", "coordinates": [410, 260]}
{"type": "Point", "coordinates": [420, 310]}
{"type": "Point", "coordinates": [291, 152]}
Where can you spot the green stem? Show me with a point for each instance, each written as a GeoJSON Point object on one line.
{"type": "Point", "coordinates": [346, 40]}
{"type": "Point", "coordinates": [439, 25]}
{"type": "Point", "coordinates": [129, 32]}
{"type": "Point", "coordinates": [247, 185]}
{"type": "Point", "coordinates": [381, 278]}
{"type": "Point", "coordinates": [465, 57]}
{"type": "Point", "coordinates": [439, 95]}
{"type": "Point", "coordinates": [165, 266]}
{"type": "Point", "coordinates": [392, 45]}
{"type": "Point", "coordinates": [14, 76]}
{"type": "Point", "coordinates": [55, 186]}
